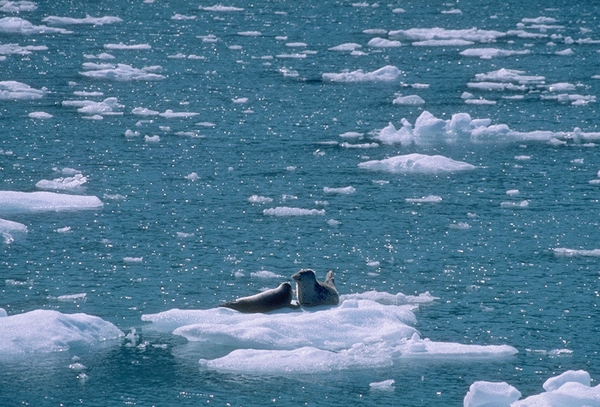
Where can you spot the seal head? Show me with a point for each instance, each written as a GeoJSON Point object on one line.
{"type": "Point", "coordinates": [311, 292]}
{"type": "Point", "coordinates": [269, 300]}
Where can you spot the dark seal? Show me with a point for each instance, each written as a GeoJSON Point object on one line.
{"type": "Point", "coordinates": [312, 292]}
{"type": "Point", "coordinates": [269, 300]}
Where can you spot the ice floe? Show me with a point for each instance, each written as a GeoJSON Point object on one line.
{"type": "Point", "coordinates": [563, 251]}
{"type": "Point", "coordinates": [416, 163]}
{"type": "Point", "coordinates": [40, 115]}
{"type": "Point", "coordinates": [8, 6]}
{"type": "Point", "coordinates": [16, 49]}
{"type": "Point", "coordinates": [436, 33]}
{"type": "Point", "coordinates": [13, 90]}
{"type": "Point", "coordinates": [489, 53]}
{"type": "Point", "coordinates": [123, 72]}
{"type": "Point", "coordinates": [290, 211]}
{"type": "Point", "coordinates": [342, 190]}
{"type": "Point", "coordinates": [63, 183]}
{"type": "Point", "coordinates": [9, 228]}
{"type": "Point", "coordinates": [16, 25]}
{"type": "Point", "coordinates": [55, 20]}
{"type": "Point", "coordinates": [220, 8]}
{"type": "Point", "coordinates": [569, 389]}
{"type": "Point", "coordinates": [52, 331]}
{"type": "Point", "coordinates": [122, 46]}
{"type": "Point", "coordinates": [411, 100]}
{"type": "Point", "coordinates": [359, 333]}
{"type": "Point", "coordinates": [386, 74]}
{"type": "Point", "coordinates": [26, 202]}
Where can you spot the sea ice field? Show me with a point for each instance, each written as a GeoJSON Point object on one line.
{"type": "Point", "coordinates": [160, 158]}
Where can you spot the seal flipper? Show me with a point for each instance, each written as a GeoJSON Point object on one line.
{"type": "Point", "coordinates": [329, 279]}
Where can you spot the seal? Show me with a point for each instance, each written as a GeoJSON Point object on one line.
{"type": "Point", "coordinates": [265, 301]}
{"type": "Point", "coordinates": [311, 292]}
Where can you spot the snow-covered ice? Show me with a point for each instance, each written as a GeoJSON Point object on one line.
{"type": "Point", "coordinates": [26, 202]}
{"type": "Point", "coordinates": [55, 20]}
{"type": "Point", "coordinates": [290, 211]}
{"type": "Point", "coordinates": [416, 163]}
{"type": "Point", "coordinates": [13, 90]}
{"type": "Point", "coordinates": [123, 72]}
{"type": "Point", "coordinates": [16, 25]}
{"type": "Point", "coordinates": [63, 183]}
{"type": "Point", "coordinates": [386, 74]}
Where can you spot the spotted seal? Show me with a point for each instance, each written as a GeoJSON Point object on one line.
{"type": "Point", "coordinates": [265, 301]}
{"type": "Point", "coordinates": [311, 292]}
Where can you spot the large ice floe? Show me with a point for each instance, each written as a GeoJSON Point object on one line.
{"type": "Point", "coordinates": [429, 129]}
{"type": "Point", "coordinates": [55, 20]}
{"type": "Point", "coordinates": [436, 33]}
{"type": "Point", "coordinates": [570, 389]}
{"type": "Point", "coordinates": [13, 90]}
{"type": "Point", "coordinates": [9, 228]}
{"type": "Point", "coordinates": [16, 25]}
{"type": "Point", "coordinates": [51, 331]}
{"type": "Point", "coordinates": [367, 330]}
{"type": "Point", "coordinates": [27, 202]}
{"type": "Point", "coordinates": [416, 163]}
{"type": "Point", "coordinates": [386, 74]}
{"type": "Point", "coordinates": [123, 72]}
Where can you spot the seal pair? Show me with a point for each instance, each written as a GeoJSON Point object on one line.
{"type": "Point", "coordinates": [310, 293]}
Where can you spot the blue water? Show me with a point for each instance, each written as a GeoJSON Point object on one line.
{"type": "Point", "coordinates": [498, 282]}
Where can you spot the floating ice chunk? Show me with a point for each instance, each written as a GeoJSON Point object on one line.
{"type": "Point", "coordinates": [386, 74]}
{"type": "Point", "coordinates": [385, 298]}
{"type": "Point", "coordinates": [105, 108]}
{"type": "Point", "coordinates": [495, 86]}
{"type": "Point", "coordinates": [93, 65]}
{"type": "Point", "coordinates": [375, 31]}
{"type": "Point", "coordinates": [425, 199]}
{"type": "Point", "coordinates": [54, 20]}
{"type": "Point", "coordinates": [460, 226]}
{"type": "Point", "coordinates": [423, 34]}
{"type": "Point", "coordinates": [512, 192]}
{"type": "Point", "coordinates": [265, 274]}
{"type": "Point", "coordinates": [25, 202]}
{"type": "Point", "coordinates": [259, 199]}
{"type": "Point", "coordinates": [52, 331]}
{"type": "Point", "coordinates": [443, 43]}
{"type": "Point", "coordinates": [509, 75]}
{"type": "Point", "coordinates": [180, 17]}
{"type": "Point", "coordinates": [103, 55]}
{"type": "Point", "coordinates": [8, 229]}
{"type": "Point", "coordinates": [333, 222]}
{"type": "Point", "coordinates": [411, 100]}
{"type": "Point", "coordinates": [152, 139]}
{"type": "Point", "coordinates": [16, 25]}
{"type": "Point", "coordinates": [124, 73]}
{"type": "Point", "coordinates": [488, 394]}
{"type": "Point", "coordinates": [288, 211]}
{"type": "Point", "coordinates": [360, 145]}
{"type": "Point", "coordinates": [220, 8]}
{"type": "Point", "coordinates": [516, 205]}
{"type": "Point", "coordinates": [565, 52]}
{"type": "Point", "coordinates": [13, 90]}
{"type": "Point", "coordinates": [133, 259]}
{"type": "Point", "coordinates": [86, 93]}
{"type": "Point", "coordinates": [63, 184]}
{"type": "Point", "coordinates": [561, 87]}
{"type": "Point", "coordinates": [383, 43]}
{"type": "Point", "coordinates": [72, 297]}
{"type": "Point", "coordinates": [539, 20]}
{"type": "Point", "coordinates": [351, 134]}
{"type": "Point", "coordinates": [40, 115]}
{"type": "Point", "coordinates": [12, 49]}
{"type": "Point", "coordinates": [342, 191]}
{"type": "Point", "coordinates": [452, 11]}
{"type": "Point", "coordinates": [7, 6]}
{"type": "Point", "coordinates": [429, 127]}
{"type": "Point", "coordinates": [398, 10]}
{"type": "Point", "coordinates": [416, 163]}
{"type": "Point", "coordinates": [561, 251]}
{"type": "Point", "coordinates": [240, 100]}
{"type": "Point", "coordinates": [142, 111]}
{"type": "Point", "coordinates": [489, 53]}
{"type": "Point", "coordinates": [193, 176]}
{"type": "Point", "coordinates": [350, 46]}
{"type": "Point", "coordinates": [250, 33]}
{"type": "Point", "coordinates": [570, 376]}
{"type": "Point", "coordinates": [480, 101]}
{"type": "Point", "coordinates": [384, 385]}
{"type": "Point", "coordinates": [169, 114]}
{"type": "Point", "coordinates": [122, 46]}
{"type": "Point", "coordinates": [291, 56]}
{"type": "Point", "coordinates": [390, 135]}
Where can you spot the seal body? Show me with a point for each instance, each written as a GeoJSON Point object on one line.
{"type": "Point", "coordinates": [311, 292]}
{"type": "Point", "coordinates": [266, 301]}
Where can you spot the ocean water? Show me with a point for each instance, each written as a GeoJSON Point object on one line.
{"type": "Point", "coordinates": [238, 143]}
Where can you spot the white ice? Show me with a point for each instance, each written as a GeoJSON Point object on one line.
{"type": "Point", "coordinates": [410, 100]}
{"type": "Point", "coordinates": [359, 333]}
{"type": "Point", "coordinates": [425, 199]}
{"type": "Point", "coordinates": [436, 33]}
{"type": "Point", "coordinates": [13, 90]}
{"type": "Point", "coordinates": [350, 46]}
{"type": "Point", "coordinates": [26, 202]}
{"type": "Point", "coordinates": [489, 53]}
{"type": "Point", "coordinates": [260, 199]}
{"type": "Point", "coordinates": [122, 46]}
{"type": "Point", "coordinates": [16, 25]}
{"type": "Point", "coordinates": [8, 229]}
{"type": "Point", "coordinates": [342, 190]}
{"type": "Point", "coordinates": [52, 331]}
{"type": "Point", "coordinates": [124, 72]}
{"type": "Point", "coordinates": [416, 163]}
{"type": "Point", "coordinates": [54, 20]}
{"type": "Point", "coordinates": [289, 211]}
{"type": "Point", "coordinates": [563, 251]}
{"type": "Point", "coordinates": [16, 49]}
{"type": "Point", "coordinates": [63, 183]}
{"type": "Point", "coordinates": [383, 43]}
{"type": "Point", "coordinates": [570, 389]}
{"type": "Point", "coordinates": [8, 6]}
{"type": "Point", "coordinates": [105, 108]}
{"type": "Point", "coordinates": [443, 43]}
{"type": "Point", "coordinates": [384, 385]}
{"type": "Point", "coordinates": [386, 74]}
{"type": "Point", "coordinates": [221, 8]}
{"type": "Point", "coordinates": [40, 115]}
